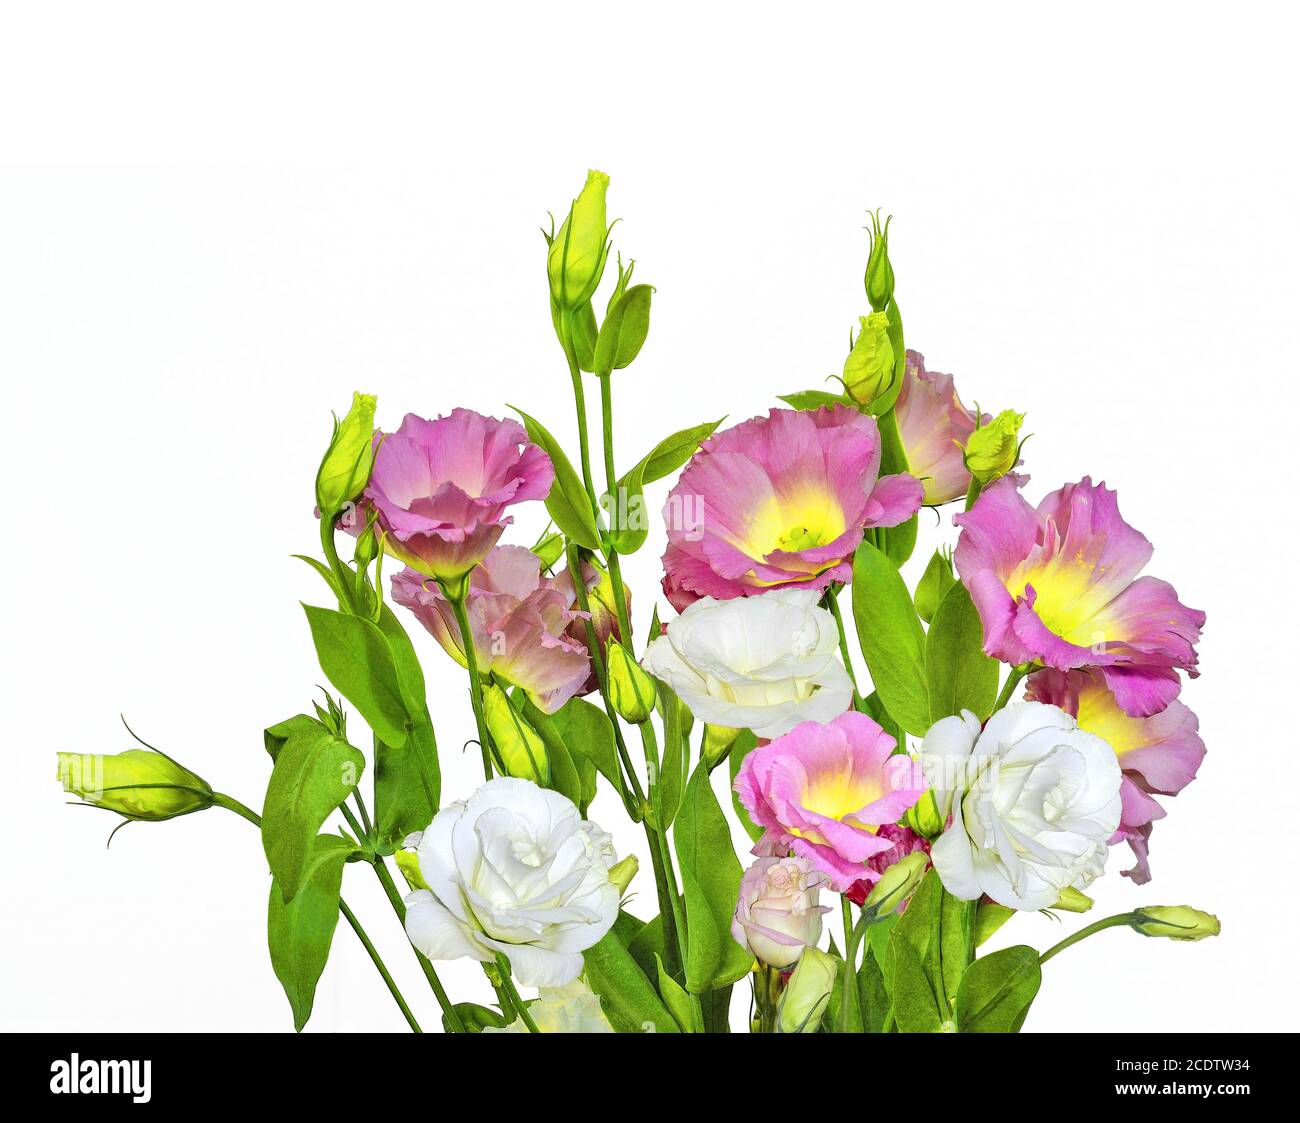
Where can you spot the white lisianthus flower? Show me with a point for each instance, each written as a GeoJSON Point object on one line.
{"type": "Point", "coordinates": [1033, 798]}
{"type": "Point", "coordinates": [515, 869]}
{"type": "Point", "coordinates": [764, 663]}
{"type": "Point", "coordinates": [574, 1008]}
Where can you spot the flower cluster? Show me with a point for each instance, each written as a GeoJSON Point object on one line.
{"type": "Point", "coordinates": [1007, 719]}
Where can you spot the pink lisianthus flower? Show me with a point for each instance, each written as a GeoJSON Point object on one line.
{"type": "Point", "coordinates": [905, 841]}
{"type": "Point", "coordinates": [824, 792]}
{"type": "Point", "coordinates": [440, 488]}
{"type": "Point", "coordinates": [519, 621]}
{"type": "Point", "coordinates": [1158, 755]}
{"type": "Point", "coordinates": [934, 426]}
{"type": "Point", "coordinates": [1059, 586]}
{"type": "Point", "coordinates": [779, 501]}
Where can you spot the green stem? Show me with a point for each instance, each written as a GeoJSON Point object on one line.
{"type": "Point", "coordinates": [336, 566]}
{"type": "Point", "coordinates": [616, 508]}
{"type": "Point", "coordinates": [399, 907]}
{"type": "Point", "coordinates": [232, 804]}
{"type": "Point", "coordinates": [471, 665]}
{"type": "Point", "coordinates": [1014, 678]}
{"type": "Point", "coordinates": [852, 937]}
{"type": "Point", "coordinates": [1118, 921]}
{"type": "Point", "coordinates": [832, 601]}
{"type": "Point", "coordinates": [580, 403]}
{"type": "Point", "coordinates": [508, 985]}
{"type": "Point", "coordinates": [349, 916]}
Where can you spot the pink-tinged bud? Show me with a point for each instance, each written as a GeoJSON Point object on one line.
{"type": "Point", "coordinates": [777, 915]}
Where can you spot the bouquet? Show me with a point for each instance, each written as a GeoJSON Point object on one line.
{"type": "Point", "coordinates": [1019, 715]}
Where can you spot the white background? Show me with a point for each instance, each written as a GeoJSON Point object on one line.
{"type": "Point", "coordinates": [216, 221]}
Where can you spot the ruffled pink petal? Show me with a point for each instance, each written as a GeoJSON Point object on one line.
{"type": "Point", "coordinates": [893, 500]}
{"type": "Point", "coordinates": [1142, 691]}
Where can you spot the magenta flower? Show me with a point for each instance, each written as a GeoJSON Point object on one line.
{"type": "Point", "coordinates": [934, 426]}
{"type": "Point", "coordinates": [441, 488]}
{"type": "Point", "coordinates": [518, 619]}
{"type": "Point", "coordinates": [779, 501]}
{"type": "Point", "coordinates": [1059, 586]}
{"type": "Point", "coordinates": [904, 841]}
{"type": "Point", "coordinates": [823, 792]}
{"type": "Point", "coordinates": [1158, 755]}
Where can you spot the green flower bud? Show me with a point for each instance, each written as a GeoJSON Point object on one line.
{"type": "Point", "coordinates": [807, 993]}
{"type": "Point", "coordinates": [345, 470]}
{"type": "Point", "coordinates": [1071, 900]}
{"type": "Point", "coordinates": [991, 449]}
{"type": "Point", "coordinates": [367, 547]}
{"type": "Point", "coordinates": [989, 917]}
{"type": "Point", "coordinates": [523, 753]}
{"type": "Point", "coordinates": [1176, 922]}
{"type": "Point", "coordinates": [137, 784]}
{"type": "Point", "coordinates": [576, 258]}
{"type": "Point", "coordinates": [935, 582]}
{"type": "Point", "coordinates": [718, 740]}
{"type": "Point", "coordinates": [622, 873]}
{"type": "Point", "coordinates": [879, 277]}
{"type": "Point", "coordinates": [631, 690]}
{"type": "Point", "coordinates": [923, 817]}
{"type": "Point", "coordinates": [869, 369]}
{"type": "Point", "coordinates": [896, 884]}
{"type": "Point", "coordinates": [408, 861]}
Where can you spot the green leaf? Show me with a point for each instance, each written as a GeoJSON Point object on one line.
{"type": "Point", "coordinates": [356, 658]}
{"type": "Point", "coordinates": [314, 772]}
{"type": "Point", "coordinates": [568, 503]}
{"type": "Point", "coordinates": [956, 942]}
{"type": "Point", "coordinates": [891, 637]}
{"type": "Point", "coordinates": [631, 526]}
{"type": "Point", "coordinates": [913, 968]}
{"type": "Point", "coordinates": [960, 675]}
{"type": "Point", "coordinates": [935, 582]}
{"type": "Point", "coordinates": [587, 733]}
{"type": "Point", "coordinates": [275, 736]}
{"type": "Point", "coordinates": [997, 991]}
{"type": "Point", "coordinates": [300, 931]}
{"type": "Point", "coordinates": [989, 917]}
{"type": "Point", "coordinates": [628, 999]}
{"type": "Point", "coordinates": [675, 998]}
{"type": "Point", "coordinates": [476, 1018]}
{"type": "Point", "coordinates": [741, 748]}
{"type": "Point", "coordinates": [669, 789]}
{"type": "Point", "coordinates": [812, 399]}
{"type": "Point", "coordinates": [915, 1008]}
{"type": "Point", "coordinates": [873, 999]}
{"type": "Point", "coordinates": [407, 780]}
{"type": "Point", "coordinates": [831, 1019]}
{"type": "Point", "coordinates": [624, 331]}
{"type": "Point", "coordinates": [564, 776]}
{"type": "Point", "coordinates": [710, 886]}
{"type": "Point", "coordinates": [673, 451]}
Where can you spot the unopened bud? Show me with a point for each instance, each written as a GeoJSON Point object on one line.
{"type": "Point", "coordinates": [879, 277]}
{"type": "Point", "coordinates": [897, 884]}
{"type": "Point", "coordinates": [807, 993]}
{"type": "Point", "coordinates": [631, 690]}
{"type": "Point", "coordinates": [345, 469]}
{"type": "Point", "coordinates": [1175, 922]}
{"type": "Point", "coordinates": [523, 753]}
{"type": "Point", "coordinates": [1071, 900]}
{"type": "Point", "coordinates": [718, 740]}
{"type": "Point", "coordinates": [991, 449]}
{"type": "Point", "coordinates": [622, 873]}
{"type": "Point", "coordinates": [869, 369]}
{"type": "Point", "coordinates": [576, 258]}
{"type": "Point", "coordinates": [137, 784]}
